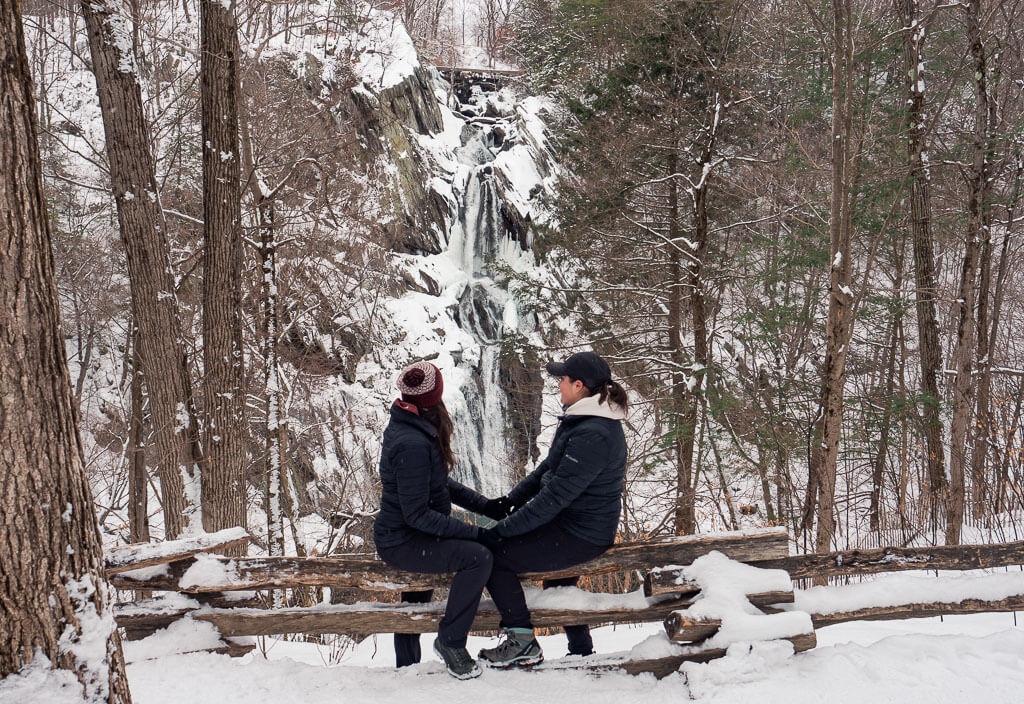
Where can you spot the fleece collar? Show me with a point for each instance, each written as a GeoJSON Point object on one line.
{"type": "Point", "coordinates": [591, 406]}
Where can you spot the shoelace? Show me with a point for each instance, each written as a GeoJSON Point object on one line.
{"type": "Point", "coordinates": [508, 643]}
{"type": "Point", "coordinates": [461, 658]}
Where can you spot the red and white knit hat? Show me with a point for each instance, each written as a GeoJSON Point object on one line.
{"type": "Point", "coordinates": [421, 384]}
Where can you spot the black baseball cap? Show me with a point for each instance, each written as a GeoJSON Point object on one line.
{"type": "Point", "coordinates": [587, 367]}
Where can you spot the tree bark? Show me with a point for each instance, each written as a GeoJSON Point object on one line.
{"type": "Point", "coordinates": [963, 352]}
{"type": "Point", "coordinates": [225, 426]}
{"type": "Point", "coordinates": [825, 450]}
{"type": "Point", "coordinates": [684, 415]}
{"type": "Point", "coordinates": [53, 597]}
{"type": "Point", "coordinates": [138, 475]}
{"type": "Point", "coordinates": [154, 303]}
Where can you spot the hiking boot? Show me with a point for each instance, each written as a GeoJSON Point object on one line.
{"type": "Point", "coordinates": [517, 647]}
{"type": "Point", "coordinates": [458, 661]}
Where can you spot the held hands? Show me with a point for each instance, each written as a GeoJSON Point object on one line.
{"type": "Point", "coordinates": [489, 538]}
{"type": "Point", "coordinates": [498, 508]}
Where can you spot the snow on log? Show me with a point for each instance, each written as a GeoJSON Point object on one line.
{"type": "Point", "coordinates": [125, 558]}
{"type": "Point", "coordinates": [723, 614]}
{"type": "Point", "coordinates": [911, 596]}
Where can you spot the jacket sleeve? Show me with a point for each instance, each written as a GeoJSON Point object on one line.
{"type": "Point", "coordinates": [465, 497]}
{"type": "Point", "coordinates": [529, 486]}
{"type": "Point", "coordinates": [583, 454]}
{"type": "Point", "coordinates": [412, 475]}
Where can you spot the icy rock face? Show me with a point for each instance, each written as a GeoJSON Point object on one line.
{"type": "Point", "coordinates": [467, 166]}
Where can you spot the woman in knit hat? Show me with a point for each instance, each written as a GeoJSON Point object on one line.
{"type": "Point", "coordinates": [415, 531]}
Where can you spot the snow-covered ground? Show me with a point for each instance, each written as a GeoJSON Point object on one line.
{"type": "Point", "coordinates": [977, 659]}
{"type": "Point", "coordinates": [956, 659]}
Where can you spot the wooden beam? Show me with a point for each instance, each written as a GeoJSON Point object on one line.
{"type": "Point", "coordinates": [902, 611]}
{"type": "Point", "coordinates": [364, 571]}
{"type": "Point", "coordinates": [868, 561]}
{"type": "Point", "coordinates": [662, 667]}
{"type": "Point", "coordinates": [408, 619]}
{"type": "Point", "coordinates": [124, 558]}
{"type": "Point", "coordinates": [894, 559]}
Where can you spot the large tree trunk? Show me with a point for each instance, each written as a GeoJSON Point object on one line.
{"type": "Point", "coordinates": [924, 257]}
{"type": "Point", "coordinates": [154, 303]}
{"type": "Point", "coordinates": [53, 595]}
{"type": "Point", "coordinates": [224, 392]}
{"type": "Point", "coordinates": [683, 414]}
{"type": "Point", "coordinates": [963, 352]}
{"type": "Point", "coordinates": [826, 439]}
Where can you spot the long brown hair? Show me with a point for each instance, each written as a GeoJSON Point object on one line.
{"type": "Point", "coordinates": [612, 390]}
{"type": "Point", "coordinates": [438, 417]}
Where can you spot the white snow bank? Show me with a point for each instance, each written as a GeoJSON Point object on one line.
{"type": "Point", "coordinates": [899, 589]}
{"type": "Point", "coordinates": [905, 669]}
{"type": "Point", "coordinates": [39, 683]}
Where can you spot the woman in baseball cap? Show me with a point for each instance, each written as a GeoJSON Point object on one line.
{"type": "Point", "coordinates": [566, 511]}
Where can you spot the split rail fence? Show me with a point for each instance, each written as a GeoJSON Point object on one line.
{"type": "Point", "coordinates": [219, 590]}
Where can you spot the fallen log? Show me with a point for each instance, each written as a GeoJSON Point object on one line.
{"type": "Point", "coordinates": [384, 618]}
{"type": "Point", "coordinates": [902, 611]}
{"type": "Point", "coordinates": [366, 572]}
{"type": "Point", "coordinates": [124, 558]}
{"type": "Point", "coordinates": [662, 667]}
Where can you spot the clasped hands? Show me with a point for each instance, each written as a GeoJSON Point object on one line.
{"type": "Point", "coordinates": [495, 509]}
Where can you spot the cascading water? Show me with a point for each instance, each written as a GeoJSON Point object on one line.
{"type": "Point", "coordinates": [479, 235]}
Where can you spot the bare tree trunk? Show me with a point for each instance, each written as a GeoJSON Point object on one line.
{"type": "Point", "coordinates": [825, 451]}
{"type": "Point", "coordinates": [877, 473]}
{"type": "Point", "coordinates": [225, 424]}
{"type": "Point", "coordinates": [963, 352]}
{"type": "Point", "coordinates": [138, 476]}
{"type": "Point", "coordinates": [684, 416]}
{"type": "Point", "coordinates": [924, 257]}
{"type": "Point", "coordinates": [154, 303]}
{"type": "Point", "coordinates": [52, 588]}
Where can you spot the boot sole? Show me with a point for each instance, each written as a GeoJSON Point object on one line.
{"type": "Point", "coordinates": [518, 662]}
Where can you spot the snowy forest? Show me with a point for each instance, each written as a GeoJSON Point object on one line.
{"type": "Point", "coordinates": [792, 228]}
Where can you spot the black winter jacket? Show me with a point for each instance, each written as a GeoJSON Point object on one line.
{"type": "Point", "coordinates": [417, 493]}
{"type": "Point", "coordinates": [579, 484]}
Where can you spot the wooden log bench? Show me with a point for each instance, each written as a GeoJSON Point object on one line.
{"type": "Point", "coordinates": [208, 580]}
{"type": "Point", "coordinates": [219, 590]}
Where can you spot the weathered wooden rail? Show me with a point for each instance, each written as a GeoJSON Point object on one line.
{"type": "Point", "coordinates": [365, 572]}
{"type": "Point", "coordinates": [212, 585]}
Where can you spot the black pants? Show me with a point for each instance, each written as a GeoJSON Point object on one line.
{"type": "Point", "coordinates": [471, 563]}
{"type": "Point", "coordinates": [545, 549]}
{"type": "Point", "coordinates": [407, 645]}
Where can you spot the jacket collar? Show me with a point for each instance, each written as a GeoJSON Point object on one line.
{"type": "Point", "coordinates": [591, 406]}
{"type": "Point", "coordinates": [407, 413]}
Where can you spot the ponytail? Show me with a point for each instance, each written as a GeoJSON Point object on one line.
{"type": "Point", "coordinates": [610, 390]}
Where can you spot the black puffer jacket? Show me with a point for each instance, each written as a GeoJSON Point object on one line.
{"type": "Point", "coordinates": [579, 484]}
{"type": "Point", "coordinates": [417, 493]}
